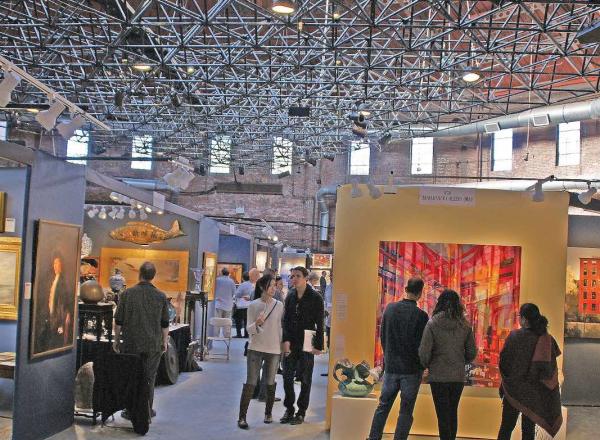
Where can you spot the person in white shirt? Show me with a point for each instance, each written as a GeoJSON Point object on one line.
{"type": "Point", "coordinates": [224, 293]}
{"type": "Point", "coordinates": [264, 326]}
{"type": "Point", "coordinates": [242, 299]}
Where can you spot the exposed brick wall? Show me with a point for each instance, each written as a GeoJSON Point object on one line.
{"type": "Point", "coordinates": [462, 157]}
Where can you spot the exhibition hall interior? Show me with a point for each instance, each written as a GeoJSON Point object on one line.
{"type": "Point", "coordinates": [309, 219]}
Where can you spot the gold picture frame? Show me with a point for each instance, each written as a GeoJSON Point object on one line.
{"type": "Point", "coordinates": [54, 297]}
{"type": "Point", "coordinates": [171, 267]}
{"type": "Point", "coordinates": [209, 276]}
{"type": "Point", "coordinates": [2, 210]}
{"type": "Point", "coordinates": [10, 277]}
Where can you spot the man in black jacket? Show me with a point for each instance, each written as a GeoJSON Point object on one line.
{"type": "Point", "coordinates": [401, 332]}
{"type": "Point", "coordinates": [303, 311]}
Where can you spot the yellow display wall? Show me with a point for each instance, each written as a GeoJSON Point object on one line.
{"type": "Point", "coordinates": [498, 217]}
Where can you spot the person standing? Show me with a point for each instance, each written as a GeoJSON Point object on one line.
{"type": "Point", "coordinates": [447, 345]}
{"type": "Point", "coordinates": [142, 317]}
{"type": "Point", "coordinates": [313, 281]}
{"type": "Point", "coordinates": [402, 328]}
{"type": "Point", "coordinates": [224, 294]}
{"type": "Point", "coordinates": [279, 292]}
{"type": "Point", "coordinates": [530, 377]}
{"type": "Point", "coordinates": [264, 318]}
{"type": "Point", "coordinates": [328, 308]}
{"type": "Point", "coordinates": [242, 299]}
{"type": "Point", "coordinates": [303, 311]}
{"type": "Point", "coordinates": [323, 281]}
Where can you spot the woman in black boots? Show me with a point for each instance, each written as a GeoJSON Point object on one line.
{"type": "Point", "coordinates": [264, 327]}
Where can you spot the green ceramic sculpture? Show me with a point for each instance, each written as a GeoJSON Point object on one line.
{"type": "Point", "coordinates": [355, 383]}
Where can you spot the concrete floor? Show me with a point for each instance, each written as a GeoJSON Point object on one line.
{"type": "Point", "coordinates": [204, 405]}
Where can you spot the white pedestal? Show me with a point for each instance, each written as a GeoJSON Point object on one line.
{"type": "Point", "coordinates": [540, 434]}
{"type": "Point", "coordinates": [351, 416]}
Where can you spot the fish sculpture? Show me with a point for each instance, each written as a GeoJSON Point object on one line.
{"type": "Point", "coordinates": [145, 233]}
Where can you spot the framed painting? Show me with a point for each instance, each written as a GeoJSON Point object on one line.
{"type": "Point", "coordinates": [10, 265]}
{"type": "Point", "coordinates": [54, 297]}
{"type": "Point", "coordinates": [209, 276]}
{"type": "Point", "coordinates": [487, 278]}
{"type": "Point", "coordinates": [235, 271]}
{"type": "Point", "coordinates": [322, 261]}
{"type": "Point", "coordinates": [171, 267]}
{"type": "Point", "coordinates": [2, 210]}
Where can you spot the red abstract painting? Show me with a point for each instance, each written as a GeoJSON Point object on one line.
{"type": "Point", "coordinates": [487, 277]}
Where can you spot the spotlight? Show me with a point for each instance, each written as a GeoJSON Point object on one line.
{"type": "Point", "coordinates": [175, 100]}
{"type": "Point", "coordinates": [138, 205]}
{"type": "Point", "coordinates": [102, 215]}
{"type": "Point", "coordinates": [356, 192]}
{"type": "Point", "coordinates": [283, 6]}
{"type": "Point", "coordinates": [131, 214]}
{"type": "Point", "coordinates": [329, 156]}
{"type": "Point", "coordinates": [119, 98]}
{"type": "Point", "coordinates": [364, 110]}
{"type": "Point", "coordinates": [160, 212]}
{"type": "Point", "coordinates": [275, 238]}
{"type": "Point", "coordinates": [8, 84]}
{"type": "Point", "coordinates": [114, 196]}
{"type": "Point", "coordinates": [241, 171]}
{"type": "Point", "coordinates": [47, 118]}
{"type": "Point", "coordinates": [68, 129]}
{"type": "Point", "coordinates": [200, 170]}
{"type": "Point", "coordinates": [385, 139]}
{"type": "Point", "coordinates": [113, 213]}
{"type": "Point", "coordinates": [148, 209]}
{"type": "Point", "coordinates": [190, 70]}
{"type": "Point", "coordinates": [374, 192]}
{"type": "Point", "coordinates": [121, 214]}
{"type": "Point", "coordinates": [471, 76]}
{"type": "Point", "coordinates": [586, 197]}
{"type": "Point", "coordinates": [335, 17]}
{"type": "Point", "coordinates": [283, 175]}
{"type": "Point", "coordinates": [141, 66]}
{"type": "Point", "coordinates": [538, 192]}
{"type": "Point", "coordinates": [92, 212]}
{"type": "Point", "coordinates": [143, 215]}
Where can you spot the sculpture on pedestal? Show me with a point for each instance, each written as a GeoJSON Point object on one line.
{"type": "Point", "coordinates": [356, 384]}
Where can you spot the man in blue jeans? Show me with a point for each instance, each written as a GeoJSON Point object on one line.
{"type": "Point", "coordinates": [401, 332]}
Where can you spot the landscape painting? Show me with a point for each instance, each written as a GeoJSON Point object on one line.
{"type": "Point", "coordinates": [487, 277]}
{"type": "Point", "coordinates": [171, 267]}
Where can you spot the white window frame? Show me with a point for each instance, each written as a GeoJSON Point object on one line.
{"type": "Point", "coordinates": [282, 155]}
{"type": "Point", "coordinates": [421, 156]}
{"type": "Point", "coordinates": [141, 146]}
{"type": "Point", "coordinates": [359, 162]}
{"type": "Point", "coordinates": [568, 150]}
{"type": "Point", "coordinates": [220, 155]}
{"type": "Point", "coordinates": [3, 130]}
{"type": "Point", "coordinates": [502, 150]}
{"type": "Point", "coordinates": [78, 146]}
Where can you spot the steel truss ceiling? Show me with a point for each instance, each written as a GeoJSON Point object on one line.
{"type": "Point", "coordinates": [237, 67]}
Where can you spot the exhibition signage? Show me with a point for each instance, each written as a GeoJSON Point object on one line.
{"type": "Point", "coordinates": [447, 196]}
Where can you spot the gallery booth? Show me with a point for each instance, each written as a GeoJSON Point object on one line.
{"type": "Point", "coordinates": [499, 249]}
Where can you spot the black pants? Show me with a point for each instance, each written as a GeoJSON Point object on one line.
{"type": "Point", "coordinates": [297, 364]}
{"type": "Point", "coordinates": [328, 333]}
{"type": "Point", "coordinates": [509, 421]}
{"type": "Point", "coordinates": [446, 397]}
{"type": "Point", "coordinates": [240, 318]}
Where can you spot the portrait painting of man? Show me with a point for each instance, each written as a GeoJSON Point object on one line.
{"type": "Point", "coordinates": [54, 288]}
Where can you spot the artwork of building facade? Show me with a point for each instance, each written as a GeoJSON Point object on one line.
{"type": "Point", "coordinates": [487, 277]}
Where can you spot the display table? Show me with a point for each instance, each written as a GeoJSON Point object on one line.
{"type": "Point", "coordinates": [351, 416]}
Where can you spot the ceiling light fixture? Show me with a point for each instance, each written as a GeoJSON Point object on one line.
{"type": "Point", "coordinates": [8, 84]}
{"type": "Point", "coordinates": [363, 110]}
{"type": "Point", "coordinates": [47, 118]}
{"type": "Point", "coordinates": [113, 213]}
{"type": "Point", "coordinates": [68, 129]}
{"type": "Point", "coordinates": [121, 214]}
{"type": "Point", "coordinates": [471, 75]}
{"type": "Point", "coordinates": [283, 6]}
{"type": "Point", "coordinates": [142, 66]}
{"type": "Point", "coordinates": [132, 214]}
{"type": "Point", "coordinates": [148, 209]}
{"type": "Point", "coordinates": [586, 197]}
{"type": "Point", "coordinates": [190, 70]}
{"type": "Point", "coordinates": [102, 214]}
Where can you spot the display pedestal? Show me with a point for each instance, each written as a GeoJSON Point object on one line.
{"type": "Point", "coordinates": [351, 416]}
{"type": "Point", "coordinates": [540, 434]}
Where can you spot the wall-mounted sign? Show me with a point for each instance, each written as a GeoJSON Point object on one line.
{"type": "Point", "coordinates": [447, 196]}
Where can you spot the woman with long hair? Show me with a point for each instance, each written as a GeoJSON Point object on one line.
{"type": "Point", "coordinates": [447, 345]}
{"type": "Point", "coordinates": [530, 377]}
{"type": "Point", "coordinates": [264, 327]}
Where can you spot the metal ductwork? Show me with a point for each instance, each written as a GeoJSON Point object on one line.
{"type": "Point", "coordinates": [149, 184]}
{"type": "Point", "coordinates": [551, 115]}
{"type": "Point", "coordinates": [324, 209]}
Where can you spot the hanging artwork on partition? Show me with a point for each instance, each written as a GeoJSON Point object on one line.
{"type": "Point", "coordinates": [57, 259]}
{"type": "Point", "coordinates": [487, 278]}
{"type": "Point", "coordinates": [10, 265]}
{"type": "Point", "coordinates": [209, 276]}
{"type": "Point", "coordinates": [582, 300]}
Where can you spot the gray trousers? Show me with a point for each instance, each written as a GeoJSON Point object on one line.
{"type": "Point", "coordinates": [255, 363]}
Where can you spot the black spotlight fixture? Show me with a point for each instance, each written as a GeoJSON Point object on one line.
{"type": "Point", "coordinates": [176, 100]}
{"type": "Point", "coordinates": [119, 98]}
{"type": "Point", "coordinates": [329, 156]}
{"type": "Point", "coordinates": [98, 149]}
{"type": "Point", "coordinates": [283, 175]}
{"type": "Point", "coordinates": [359, 124]}
{"type": "Point", "coordinates": [241, 170]}
{"type": "Point", "coordinates": [200, 170]}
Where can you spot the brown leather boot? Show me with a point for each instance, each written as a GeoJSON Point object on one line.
{"type": "Point", "coordinates": [247, 391]}
{"type": "Point", "coordinates": [269, 402]}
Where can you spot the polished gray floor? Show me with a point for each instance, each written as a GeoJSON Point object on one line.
{"type": "Point", "coordinates": [204, 405]}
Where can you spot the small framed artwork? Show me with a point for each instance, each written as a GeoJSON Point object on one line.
{"type": "Point", "coordinates": [322, 261]}
{"type": "Point", "coordinates": [209, 276]}
{"type": "Point", "coordinates": [10, 266]}
{"type": "Point", "coordinates": [54, 298]}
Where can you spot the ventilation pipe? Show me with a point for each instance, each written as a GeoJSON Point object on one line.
{"type": "Point", "coordinates": [150, 184]}
{"type": "Point", "coordinates": [538, 117]}
{"type": "Point", "coordinates": [324, 209]}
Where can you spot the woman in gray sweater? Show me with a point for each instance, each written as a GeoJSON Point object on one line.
{"type": "Point", "coordinates": [447, 345]}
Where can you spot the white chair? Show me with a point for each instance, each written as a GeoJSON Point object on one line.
{"type": "Point", "coordinates": [225, 324]}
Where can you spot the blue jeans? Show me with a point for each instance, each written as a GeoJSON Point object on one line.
{"type": "Point", "coordinates": [408, 386]}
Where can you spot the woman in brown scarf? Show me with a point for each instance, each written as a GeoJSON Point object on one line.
{"type": "Point", "coordinates": [530, 377]}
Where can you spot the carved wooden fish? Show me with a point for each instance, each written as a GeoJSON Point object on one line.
{"type": "Point", "coordinates": [145, 233]}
